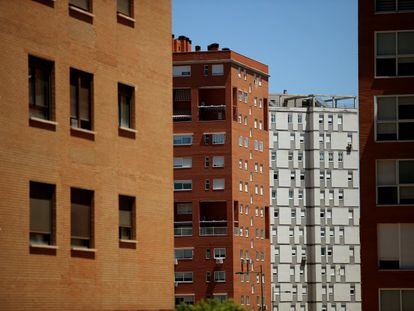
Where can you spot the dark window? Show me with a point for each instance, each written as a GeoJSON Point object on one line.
{"type": "Point", "coordinates": [125, 7]}
{"type": "Point", "coordinates": [386, 67]}
{"type": "Point", "coordinates": [387, 195]}
{"type": "Point", "coordinates": [81, 217]}
{"type": "Point", "coordinates": [385, 5]}
{"type": "Point", "coordinates": [40, 88]}
{"type": "Point", "coordinates": [405, 5]}
{"type": "Point", "coordinates": [207, 139]}
{"type": "Point", "coordinates": [125, 105]}
{"type": "Point", "coordinates": [82, 4]}
{"type": "Point", "coordinates": [206, 70]}
{"type": "Point", "coordinates": [41, 213]}
{"type": "Point", "coordinates": [126, 217]}
{"type": "Point", "coordinates": [406, 66]}
{"type": "Point", "coordinates": [80, 99]}
{"type": "Point", "coordinates": [208, 276]}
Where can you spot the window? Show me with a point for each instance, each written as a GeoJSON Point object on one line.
{"type": "Point", "coordinates": [273, 156]}
{"type": "Point", "coordinates": [205, 70]}
{"type": "Point", "coordinates": [328, 138]}
{"type": "Point", "coordinates": [321, 156]}
{"type": "Point", "coordinates": [183, 277]}
{"type": "Point", "coordinates": [81, 216]}
{"type": "Point", "coordinates": [299, 118]}
{"type": "Point", "coordinates": [182, 71]}
{"type": "Point", "coordinates": [219, 276]}
{"type": "Point", "coordinates": [395, 118]}
{"type": "Point", "coordinates": [396, 299]}
{"type": "Point", "coordinates": [217, 70]}
{"type": "Point", "coordinates": [81, 4]}
{"type": "Point", "coordinates": [330, 156]}
{"type": "Point", "coordinates": [239, 72]}
{"type": "Point", "coordinates": [394, 244]}
{"type": "Point", "coordinates": [207, 184]}
{"type": "Point", "coordinates": [218, 161]}
{"type": "Point", "coordinates": [240, 95]}
{"type": "Point", "coordinates": [218, 184]}
{"type": "Point", "coordinates": [340, 120]}
{"type": "Point", "coordinates": [183, 185]}
{"type": "Point", "coordinates": [340, 156]}
{"type": "Point", "coordinates": [290, 156]}
{"type": "Point", "coordinates": [330, 119]}
{"type": "Point", "coordinates": [219, 253]}
{"type": "Point", "coordinates": [321, 119]}
{"type": "Point", "coordinates": [183, 253]}
{"type": "Point", "coordinates": [185, 208]}
{"type": "Point", "coordinates": [290, 118]}
{"type": "Point", "coordinates": [218, 138]}
{"type": "Point", "coordinates": [187, 299]}
{"type": "Point", "coordinates": [40, 88]}
{"type": "Point", "coordinates": [394, 6]}
{"type": "Point", "coordinates": [292, 137]}
{"type": "Point", "coordinates": [206, 161]}
{"type": "Point", "coordinates": [395, 179]}
{"type": "Point", "coordinates": [300, 156]}
{"type": "Point", "coordinates": [126, 217]}
{"type": "Point", "coordinates": [394, 52]}
{"type": "Point", "coordinates": [321, 138]}
{"type": "Point", "coordinates": [183, 162]}
{"type": "Point", "coordinates": [42, 208]}
{"type": "Point", "coordinates": [220, 297]}
{"type": "Point", "coordinates": [292, 175]}
{"type": "Point", "coordinates": [125, 105]}
{"type": "Point", "coordinates": [341, 195]}
{"type": "Point", "coordinates": [350, 176]}
{"type": "Point", "coordinates": [183, 140]}
{"type": "Point", "coordinates": [81, 99]}
{"type": "Point", "coordinates": [125, 7]}
{"type": "Point", "coordinates": [273, 118]}
{"type": "Point", "coordinates": [246, 97]}
{"type": "Point", "coordinates": [290, 194]}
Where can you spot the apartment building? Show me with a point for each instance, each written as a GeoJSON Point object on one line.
{"type": "Point", "coordinates": [221, 181]}
{"type": "Point", "coordinates": [314, 214]}
{"type": "Point", "coordinates": [85, 155]}
{"type": "Point", "coordinates": [386, 90]}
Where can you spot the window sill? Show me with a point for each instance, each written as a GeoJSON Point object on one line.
{"type": "Point", "coordinates": [43, 124]}
{"type": "Point", "coordinates": [81, 14]}
{"type": "Point", "coordinates": [81, 252]}
{"type": "Point", "coordinates": [40, 249]}
{"type": "Point", "coordinates": [127, 132]}
{"type": "Point", "coordinates": [84, 249]}
{"type": "Point", "coordinates": [125, 20]}
{"type": "Point", "coordinates": [82, 133]}
{"type": "Point", "coordinates": [131, 244]}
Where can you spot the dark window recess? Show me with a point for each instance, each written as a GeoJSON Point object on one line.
{"type": "Point", "coordinates": [41, 213]}
{"type": "Point", "coordinates": [80, 99]}
{"type": "Point", "coordinates": [181, 105]}
{"type": "Point", "coordinates": [206, 70]}
{"type": "Point", "coordinates": [385, 5]}
{"type": "Point", "coordinates": [405, 5]}
{"type": "Point", "coordinates": [406, 66]}
{"type": "Point", "coordinates": [387, 195]}
{"type": "Point", "coordinates": [40, 88]}
{"type": "Point", "coordinates": [384, 133]}
{"type": "Point", "coordinates": [389, 264]}
{"type": "Point", "coordinates": [207, 139]}
{"type": "Point", "coordinates": [125, 105]}
{"type": "Point", "coordinates": [126, 217]}
{"type": "Point", "coordinates": [81, 217]}
{"type": "Point", "coordinates": [125, 7]}
{"type": "Point", "coordinates": [406, 112]}
{"type": "Point", "coordinates": [81, 4]}
{"type": "Point", "coordinates": [386, 67]}
{"type": "Point", "coordinates": [406, 131]}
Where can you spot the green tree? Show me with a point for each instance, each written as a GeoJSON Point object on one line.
{"type": "Point", "coordinates": [211, 305]}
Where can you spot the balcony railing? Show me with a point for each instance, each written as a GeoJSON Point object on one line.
{"type": "Point", "coordinates": [212, 112]}
{"type": "Point", "coordinates": [182, 115]}
{"type": "Point", "coordinates": [213, 228]}
{"type": "Point", "coordinates": [183, 228]}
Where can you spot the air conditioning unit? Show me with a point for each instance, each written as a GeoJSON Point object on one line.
{"type": "Point", "coordinates": [175, 261]}
{"type": "Point", "coordinates": [349, 147]}
{"type": "Point", "coordinates": [219, 261]}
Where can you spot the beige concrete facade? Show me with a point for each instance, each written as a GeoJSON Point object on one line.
{"type": "Point", "coordinates": [116, 278]}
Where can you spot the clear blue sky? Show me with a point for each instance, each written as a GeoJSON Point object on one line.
{"type": "Point", "coordinates": [309, 45]}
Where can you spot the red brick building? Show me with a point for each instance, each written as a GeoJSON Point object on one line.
{"type": "Point", "coordinates": [386, 88]}
{"type": "Point", "coordinates": [221, 180]}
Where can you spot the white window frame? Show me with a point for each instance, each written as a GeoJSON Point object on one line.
{"type": "Point", "coordinates": [221, 253]}
{"type": "Point", "coordinates": [396, 56]}
{"type": "Point", "coordinates": [183, 276]}
{"type": "Point", "coordinates": [220, 276]}
{"type": "Point", "coordinates": [218, 161]}
{"type": "Point", "coordinates": [183, 162]}
{"type": "Point", "coordinates": [217, 69]}
{"type": "Point", "coordinates": [182, 71]}
{"type": "Point", "coordinates": [184, 249]}
{"type": "Point", "coordinates": [182, 182]}
{"type": "Point", "coordinates": [182, 137]}
{"type": "Point", "coordinates": [219, 183]}
{"type": "Point", "coordinates": [218, 138]}
{"type": "Point", "coordinates": [396, 121]}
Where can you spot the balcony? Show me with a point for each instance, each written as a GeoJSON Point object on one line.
{"type": "Point", "coordinates": [182, 105]}
{"type": "Point", "coordinates": [183, 228]}
{"type": "Point", "coordinates": [213, 228]}
{"type": "Point", "coordinates": [211, 112]}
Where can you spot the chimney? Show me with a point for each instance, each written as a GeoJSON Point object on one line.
{"type": "Point", "coordinates": [181, 44]}
{"type": "Point", "coordinates": [213, 47]}
{"type": "Point", "coordinates": [198, 48]}
{"type": "Point", "coordinates": [285, 92]}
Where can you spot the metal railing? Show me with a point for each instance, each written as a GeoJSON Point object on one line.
{"type": "Point", "coordinates": [183, 228]}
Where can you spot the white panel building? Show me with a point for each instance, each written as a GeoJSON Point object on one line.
{"type": "Point", "coordinates": [315, 203]}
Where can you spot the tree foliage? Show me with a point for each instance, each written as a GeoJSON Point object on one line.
{"type": "Point", "coordinates": [211, 305]}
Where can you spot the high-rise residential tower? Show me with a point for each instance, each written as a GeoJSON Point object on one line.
{"type": "Point", "coordinates": [85, 155]}
{"type": "Point", "coordinates": [221, 177]}
{"type": "Point", "coordinates": [386, 92]}
{"type": "Point", "coordinates": [314, 203]}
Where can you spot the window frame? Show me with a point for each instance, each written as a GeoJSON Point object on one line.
{"type": "Point", "coordinates": [46, 66]}
{"type": "Point", "coordinates": [131, 10]}
{"type": "Point", "coordinates": [91, 238]}
{"type": "Point", "coordinates": [127, 91]}
{"type": "Point", "coordinates": [182, 136]}
{"type": "Point", "coordinates": [183, 181]}
{"type": "Point", "coordinates": [78, 76]}
{"type": "Point", "coordinates": [396, 56]}
{"type": "Point", "coordinates": [396, 122]}
{"type": "Point", "coordinates": [132, 228]}
{"type": "Point", "coordinates": [391, 12]}
{"type": "Point", "coordinates": [397, 185]}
